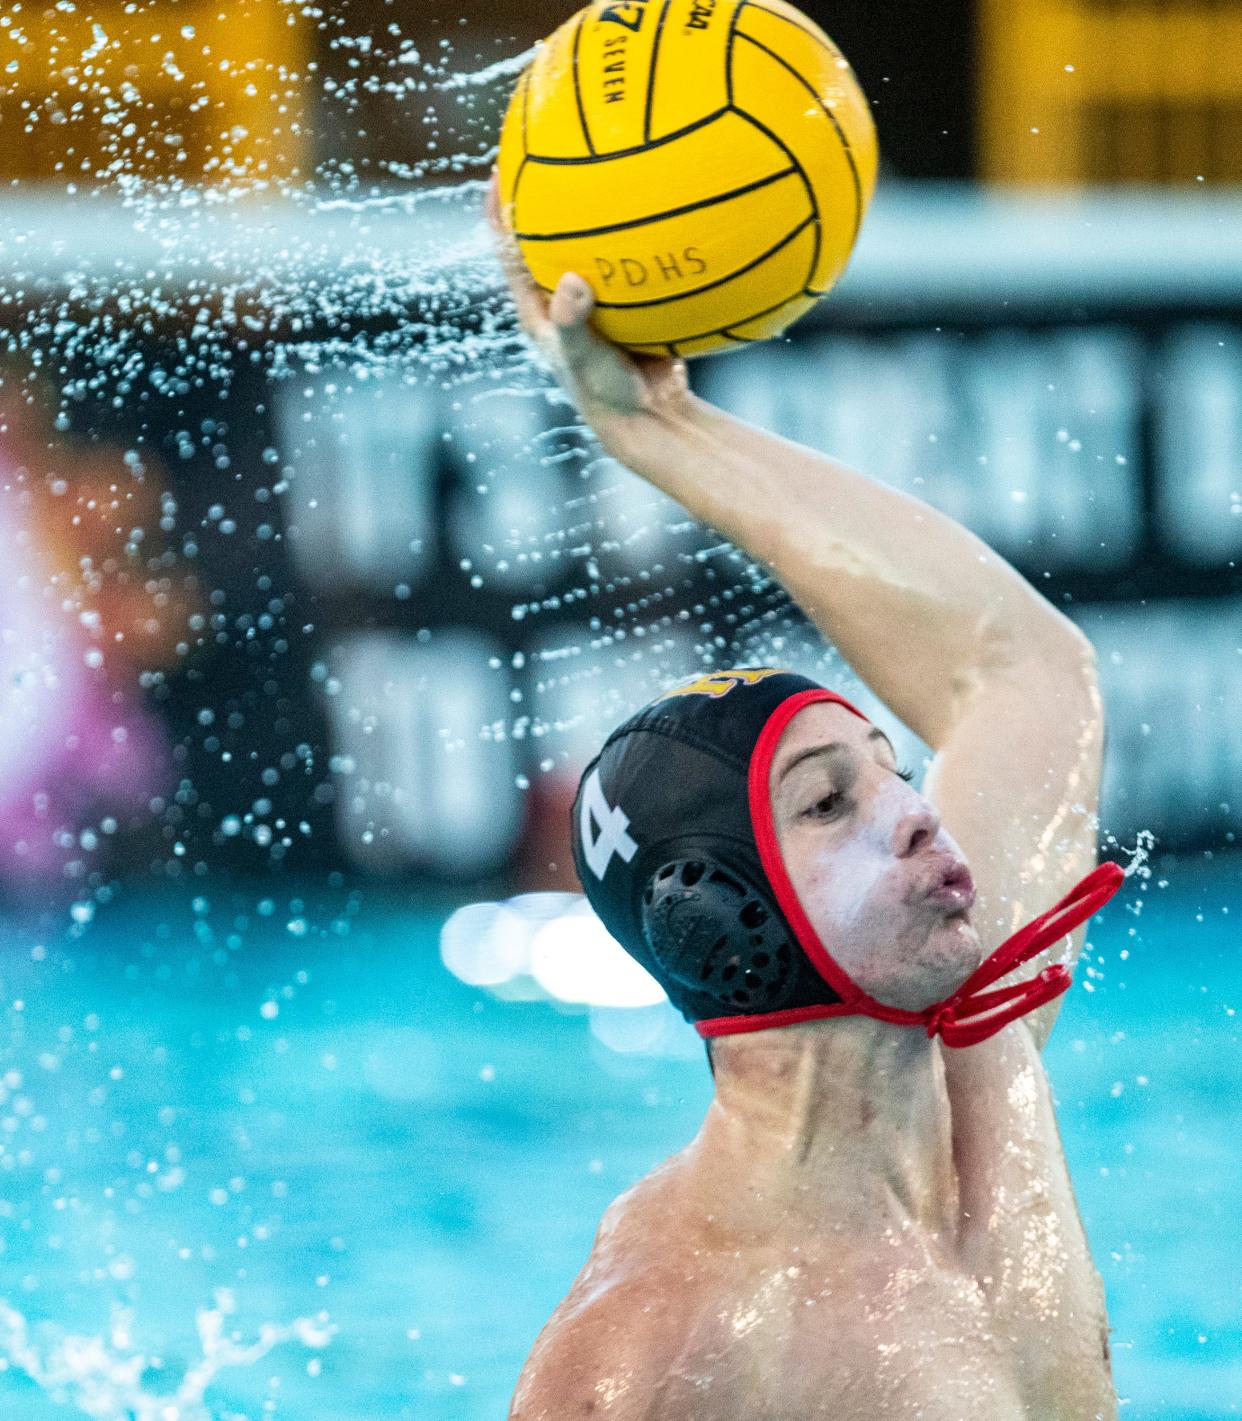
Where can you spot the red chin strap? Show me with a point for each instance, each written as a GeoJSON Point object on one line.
{"type": "Point", "coordinates": [972, 1013]}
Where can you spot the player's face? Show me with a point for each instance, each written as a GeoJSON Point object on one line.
{"type": "Point", "coordinates": [869, 859]}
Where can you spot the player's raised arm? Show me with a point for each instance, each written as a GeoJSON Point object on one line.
{"type": "Point", "coordinates": [919, 606]}
{"type": "Point", "coordinates": [951, 637]}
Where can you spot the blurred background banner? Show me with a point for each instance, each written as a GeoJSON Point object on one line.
{"type": "Point", "coordinates": [379, 554]}
{"type": "Point", "coordinates": [310, 580]}
{"type": "Point", "coordinates": [376, 536]}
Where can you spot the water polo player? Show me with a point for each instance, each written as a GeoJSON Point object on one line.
{"type": "Point", "coordinates": [875, 1219]}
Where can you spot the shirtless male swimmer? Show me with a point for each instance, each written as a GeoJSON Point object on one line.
{"type": "Point", "coordinates": [875, 1219]}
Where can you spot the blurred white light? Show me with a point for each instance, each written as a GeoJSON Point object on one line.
{"type": "Point", "coordinates": [485, 944]}
{"type": "Point", "coordinates": [574, 959]}
{"type": "Point", "coordinates": [629, 1030]}
{"type": "Point", "coordinates": [553, 945]}
{"type": "Point", "coordinates": [540, 908]}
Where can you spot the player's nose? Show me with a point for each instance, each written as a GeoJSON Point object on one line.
{"type": "Point", "coordinates": [916, 827]}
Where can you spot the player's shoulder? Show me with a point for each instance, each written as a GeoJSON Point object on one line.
{"type": "Point", "coordinates": [606, 1349]}
{"type": "Point", "coordinates": [626, 1319]}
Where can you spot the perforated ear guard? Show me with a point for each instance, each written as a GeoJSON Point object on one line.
{"type": "Point", "coordinates": [712, 932]}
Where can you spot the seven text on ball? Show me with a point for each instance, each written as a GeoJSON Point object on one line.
{"type": "Point", "coordinates": [614, 69]}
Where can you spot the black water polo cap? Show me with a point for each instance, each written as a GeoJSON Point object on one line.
{"type": "Point", "coordinates": [666, 849]}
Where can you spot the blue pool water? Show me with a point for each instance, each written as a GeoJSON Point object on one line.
{"type": "Point", "coordinates": [221, 1114]}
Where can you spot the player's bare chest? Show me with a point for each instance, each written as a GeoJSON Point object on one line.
{"type": "Point", "coordinates": [808, 1336]}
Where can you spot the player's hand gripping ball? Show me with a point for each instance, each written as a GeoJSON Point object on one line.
{"type": "Point", "coordinates": [704, 164]}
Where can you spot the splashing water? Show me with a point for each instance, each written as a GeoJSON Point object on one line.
{"type": "Point", "coordinates": [254, 280]}
{"type": "Point", "coordinates": [1139, 866]}
{"type": "Point", "coordinates": [502, 69]}
{"type": "Point", "coordinates": [108, 1378]}
{"type": "Point", "coordinates": [251, 252]}
{"type": "Point", "coordinates": [266, 251]}
{"type": "Point", "coordinates": [261, 270]}
{"type": "Point", "coordinates": [1139, 855]}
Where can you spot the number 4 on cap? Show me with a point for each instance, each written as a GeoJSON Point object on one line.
{"type": "Point", "coordinates": [613, 825]}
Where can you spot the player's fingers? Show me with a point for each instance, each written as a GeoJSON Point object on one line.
{"type": "Point", "coordinates": [532, 305]}
{"type": "Point", "coordinates": [491, 201]}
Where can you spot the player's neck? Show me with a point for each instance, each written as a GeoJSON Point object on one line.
{"type": "Point", "coordinates": [840, 1122]}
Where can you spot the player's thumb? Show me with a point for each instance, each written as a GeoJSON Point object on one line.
{"type": "Point", "coordinates": [570, 310]}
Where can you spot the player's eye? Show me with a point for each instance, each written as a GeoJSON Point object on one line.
{"type": "Point", "coordinates": [825, 805]}
{"type": "Point", "coordinates": [906, 775]}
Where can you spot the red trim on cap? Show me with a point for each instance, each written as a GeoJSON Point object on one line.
{"type": "Point", "coordinates": [764, 826]}
{"type": "Point", "coordinates": [971, 1014]}
{"type": "Point", "coordinates": [791, 1016]}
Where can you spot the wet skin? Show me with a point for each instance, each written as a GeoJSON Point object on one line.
{"type": "Point", "coordinates": [856, 1231]}
{"type": "Point", "coordinates": [867, 1224]}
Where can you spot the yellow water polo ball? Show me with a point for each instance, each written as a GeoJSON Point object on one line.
{"type": "Point", "coordinates": [704, 164]}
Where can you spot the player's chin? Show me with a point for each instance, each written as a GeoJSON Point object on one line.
{"type": "Point", "coordinates": [958, 918]}
{"type": "Point", "coordinates": [954, 945]}
{"type": "Point", "coordinates": [942, 952]}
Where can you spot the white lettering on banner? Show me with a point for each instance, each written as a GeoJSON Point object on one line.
{"type": "Point", "coordinates": [362, 502]}
{"type": "Point", "coordinates": [417, 784]}
{"type": "Point", "coordinates": [1170, 677]}
{"type": "Point", "coordinates": [1029, 438]}
{"type": "Point", "coordinates": [613, 825]}
{"type": "Point", "coordinates": [507, 497]}
{"type": "Point", "coordinates": [1198, 408]}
